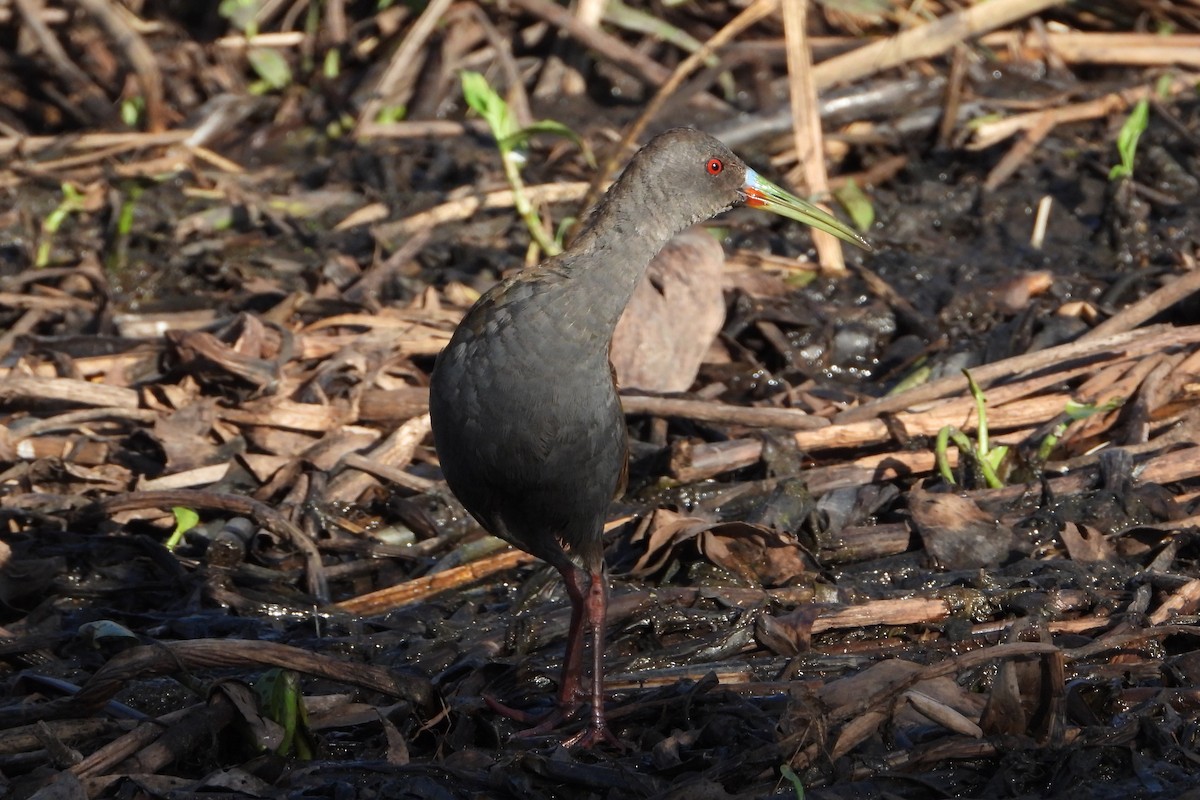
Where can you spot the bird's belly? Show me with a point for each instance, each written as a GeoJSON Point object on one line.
{"type": "Point", "coordinates": [531, 452]}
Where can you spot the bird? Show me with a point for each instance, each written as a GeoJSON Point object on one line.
{"type": "Point", "coordinates": [527, 423]}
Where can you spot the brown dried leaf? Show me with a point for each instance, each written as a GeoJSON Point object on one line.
{"type": "Point", "coordinates": [764, 555]}
{"type": "Point", "coordinates": [1004, 712]}
{"type": "Point", "coordinates": [101, 477]}
{"type": "Point", "coordinates": [854, 689]}
{"type": "Point", "coordinates": [325, 454]}
{"type": "Point", "coordinates": [788, 634]}
{"type": "Point", "coordinates": [262, 466]}
{"type": "Point", "coordinates": [265, 732]}
{"type": "Point", "coordinates": [673, 317]}
{"type": "Point", "coordinates": [1087, 545]}
{"type": "Point", "coordinates": [943, 714]}
{"type": "Point", "coordinates": [855, 732]}
{"type": "Point", "coordinates": [186, 436]}
{"type": "Point", "coordinates": [754, 553]}
{"type": "Point", "coordinates": [957, 533]}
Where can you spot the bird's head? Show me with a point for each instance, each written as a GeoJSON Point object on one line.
{"type": "Point", "coordinates": [693, 172]}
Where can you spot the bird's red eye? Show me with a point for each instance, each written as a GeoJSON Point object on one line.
{"type": "Point", "coordinates": [714, 166]}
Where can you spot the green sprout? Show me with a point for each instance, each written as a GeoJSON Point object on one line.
{"type": "Point", "coordinates": [282, 701]}
{"type": "Point", "coordinates": [991, 461]}
{"type": "Point", "coordinates": [857, 205]}
{"type": "Point", "coordinates": [185, 520]}
{"type": "Point", "coordinates": [271, 68]}
{"type": "Point", "coordinates": [987, 459]}
{"type": "Point", "coordinates": [337, 128]}
{"type": "Point", "coordinates": [132, 109]}
{"type": "Point", "coordinates": [332, 67]}
{"type": "Point", "coordinates": [564, 226]}
{"type": "Point", "coordinates": [917, 377]}
{"type": "Point", "coordinates": [117, 255]}
{"type": "Point", "coordinates": [794, 779]}
{"type": "Point", "coordinates": [1127, 140]}
{"type": "Point", "coordinates": [1074, 411]}
{"type": "Point", "coordinates": [510, 138]}
{"type": "Point", "coordinates": [389, 114]}
{"type": "Point", "coordinates": [72, 202]}
{"type": "Point", "coordinates": [241, 14]}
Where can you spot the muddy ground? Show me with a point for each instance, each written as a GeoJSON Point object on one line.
{"type": "Point", "coordinates": [244, 328]}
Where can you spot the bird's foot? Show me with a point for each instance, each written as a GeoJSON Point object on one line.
{"type": "Point", "coordinates": [595, 733]}
{"type": "Point", "coordinates": [542, 723]}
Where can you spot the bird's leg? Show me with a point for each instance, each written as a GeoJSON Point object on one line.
{"type": "Point", "coordinates": [589, 610]}
{"type": "Point", "coordinates": [569, 691]}
{"type": "Point", "coordinates": [569, 679]}
{"type": "Point", "coordinates": [596, 610]}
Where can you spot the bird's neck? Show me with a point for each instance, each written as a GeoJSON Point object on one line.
{"type": "Point", "coordinates": [612, 255]}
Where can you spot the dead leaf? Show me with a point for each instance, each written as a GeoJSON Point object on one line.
{"type": "Point", "coordinates": [948, 717]}
{"type": "Point", "coordinates": [672, 318]}
{"type": "Point", "coordinates": [788, 634]}
{"type": "Point", "coordinates": [756, 554]}
{"type": "Point", "coordinates": [1087, 545]}
{"type": "Point", "coordinates": [957, 533]}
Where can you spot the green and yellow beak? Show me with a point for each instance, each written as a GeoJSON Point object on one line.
{"type": "Point", "coordinates": [761, 193]}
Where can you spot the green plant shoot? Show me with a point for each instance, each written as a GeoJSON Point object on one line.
{"type": "Point", "coordinates": [1074, 411]}
{"type": "Point", "coordinates": [1127, 140]}
{"type": "Point", "coordinates": [72, 201]}
{"type": "Point", "coordinates": [857, 205]}
{"type": "Point", "coordinates": [282, 701]}
{"type": "Point", "coordinates": [510, 137]}
{"type": "Point", "coordinates": [987, 459]}
{"type": "Point", "coordinates": [271, 67]}
{"type": "Point", "coordinates": [790, 774]}
{"type": "Point", "coordinates": [185, 520]}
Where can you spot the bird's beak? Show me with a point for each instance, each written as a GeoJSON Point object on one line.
{"type": "Point", "coordinates": [761, 193]}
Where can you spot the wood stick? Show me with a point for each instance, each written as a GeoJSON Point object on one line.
{"type": "Point", "coordinates": [1121, 345]}
{"type": "Point", "coordinates": [925, 41]}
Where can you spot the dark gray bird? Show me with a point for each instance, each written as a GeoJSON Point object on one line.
{"type": "Point", "coordinates": [526, 419]}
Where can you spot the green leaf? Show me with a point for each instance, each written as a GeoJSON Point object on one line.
{"type": "Point", "coordinates": [520, 137]}
{"type": "Point", "coordinates": [857, 205]}
{"type": "Point", "coordinates": [941, 451]}
{"type": "Point", "coordinates": [333, 64]}
{"type": "Point", "coordinates": [995, 457]}
{"type": "Point", "coordinates": [1127, 140]}
{"type": "Point", "coordinates": [981, 435]}
{"type": "Point", "coordinates": [271, 66]}
{"type": "Point", "coordinates": [240, 13]}
{"type": "Point", "coordinates": [131, 111]}
{"type": "Point", "coordinates": [1075, 410]}
{"type": "Point", "coordinates": [560, 234]}
{"type": "Point", "coordinates": [128, 206]}
{"type": "Point", "coordinates": [484, 101]}
{"type": "Point", "coordinates": [1162, 87]}
{"type": "Point", "coordinates": [917, 377]}
{"type": "Point", "coordinates": [391, 114]}
{"type": "Point", "coordinates": [185, 520]}
{"type": "Point", "coordinates": [283, 701]}
{"type": "Point", "coordinates": [792, 777]}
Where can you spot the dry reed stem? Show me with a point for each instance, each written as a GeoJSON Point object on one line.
{"type": "Point", "coordinates": [806, 132]}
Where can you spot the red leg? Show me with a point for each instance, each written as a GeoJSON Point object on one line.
{"type": "Point", "coordinates": [572, 669]}
{"type": "Point", "coordinates": [596, 607]}
{"type": "Point", "coordinates": [588, 610]}
{"type": "Point", "coordinates": [570, 678]}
